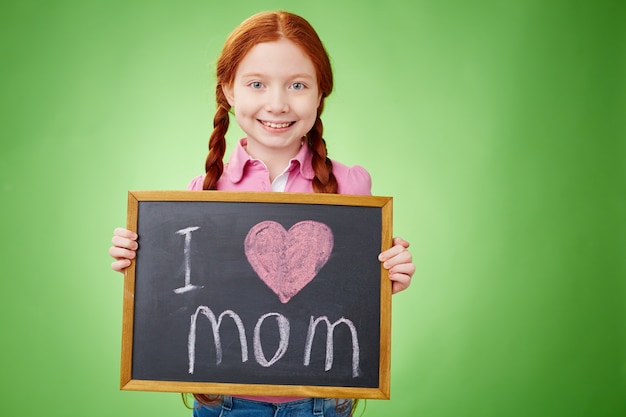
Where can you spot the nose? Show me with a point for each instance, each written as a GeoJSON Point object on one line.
{"type": "Point", "coordinates": [277, 101]}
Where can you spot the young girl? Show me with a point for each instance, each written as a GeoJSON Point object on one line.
{"type": "Point", "coordinates": [275, 73]}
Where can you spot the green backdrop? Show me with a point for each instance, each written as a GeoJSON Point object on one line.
{"type": "Point", "coordinates": [497, 126]}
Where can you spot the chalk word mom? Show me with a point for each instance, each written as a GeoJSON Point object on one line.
{"type": "Point", "coordinates": [283, 331]}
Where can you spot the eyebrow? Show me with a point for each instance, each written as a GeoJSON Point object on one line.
{"type": "Point", "coordinates": [293, 76]}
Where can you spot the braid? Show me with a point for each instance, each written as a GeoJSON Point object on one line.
{"type": "Point", "coordinates": [324, 181]}
{"type": "Point", "coordinates": [206, 399]}
{"type": "Point", "coordinates": [214, 165]}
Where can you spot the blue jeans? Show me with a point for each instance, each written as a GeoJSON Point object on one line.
{"type": "Point", "coordinates": [237, 407]}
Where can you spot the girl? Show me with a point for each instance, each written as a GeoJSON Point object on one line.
{"type": "Point", "coordinates": [275, 73]}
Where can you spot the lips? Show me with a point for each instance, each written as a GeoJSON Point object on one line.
{"type": "Point", "coordinates": [276, 125]}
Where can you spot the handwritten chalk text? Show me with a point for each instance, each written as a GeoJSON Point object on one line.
{"type": "Point", "coordinates": [283, 327]}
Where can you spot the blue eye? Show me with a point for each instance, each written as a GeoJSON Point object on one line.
{"type": "Point", "coordinates": [256, 84]}
{"type": "Point", "coordinates": [297, 86]}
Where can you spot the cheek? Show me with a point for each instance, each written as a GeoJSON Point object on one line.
{"type": "Point", "coordinates": [238, 114]}
{"type": "Point", "coordinates": [242, 118]}
{"type": "Point", "coordinates": [308, 109]}
{"type": "Point", "coordinates": [242, 110]}
{"type": "Point", "coordinates": [248, 104]}
{"type": "Point", "coordinates": [313, 113]}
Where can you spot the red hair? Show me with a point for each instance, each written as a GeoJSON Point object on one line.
{"type": "Point", "coordinates": [270, 27]}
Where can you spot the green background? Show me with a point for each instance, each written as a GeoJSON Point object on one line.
{"type": "Point", "coordinates": [497, 126]}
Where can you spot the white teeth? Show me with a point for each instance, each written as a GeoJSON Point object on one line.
{"type": "Point", "coordinates": [276, 125]}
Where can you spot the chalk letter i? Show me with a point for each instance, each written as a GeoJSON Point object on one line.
{"type": "Point", "coordinates": [188, 285]}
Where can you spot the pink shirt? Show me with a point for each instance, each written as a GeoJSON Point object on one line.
{"type": "Point", "coordinates": [242, 173]}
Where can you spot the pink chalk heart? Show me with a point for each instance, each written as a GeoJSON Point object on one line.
{"type": "Point", "coordinates": [288, 260]}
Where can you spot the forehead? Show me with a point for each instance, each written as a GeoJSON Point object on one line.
{"type": "Point", "coordinates": [282, 58]}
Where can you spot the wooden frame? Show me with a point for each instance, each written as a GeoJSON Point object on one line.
{"type": "Point", "coordinates": [382, 388]}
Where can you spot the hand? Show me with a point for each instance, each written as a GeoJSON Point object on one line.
{"type": "Point", "coordinates": [399, 262]}
{"type": "Point", "coordinates": [123, 249]}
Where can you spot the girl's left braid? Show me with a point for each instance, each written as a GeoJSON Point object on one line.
{"type": "Point", "coordinates": [324, 181]}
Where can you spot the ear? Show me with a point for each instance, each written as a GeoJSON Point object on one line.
{"type": "Point", "coordinates": [229, 94]}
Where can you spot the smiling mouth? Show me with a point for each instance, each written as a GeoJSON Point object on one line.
{"type": "Point", "coordinates": [276, 125]}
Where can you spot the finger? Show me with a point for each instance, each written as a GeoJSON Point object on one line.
{"type": "Point", "coordinates": [401, 277]}
{"type": "Point", "coordinates": [400, 283]}
{"type": "Point", "coordinates": [128, 234]}
{"type": "Point", "coordinates": [121, 253]}
{"type": "Point", "coordinates": [120, 265]}
{"type": "Point", "coordinates": [124, 242]}
{"type": "Point", "coordinates": [405, 268]}
{"type": "Point", "coordinates": [399, 245]}
{"type": "Point", "coordinates": [391, 252]}
{"type": "Point", "coordinates": [399, 241]}
{"type": "Point", "coordinates": [395, 256]}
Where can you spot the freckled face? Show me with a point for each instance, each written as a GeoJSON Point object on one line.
{"type": "Point", "coordinates": [275, 97]}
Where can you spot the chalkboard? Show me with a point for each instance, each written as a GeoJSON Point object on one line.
{"type": "Point", "coordinates": [258, 294]}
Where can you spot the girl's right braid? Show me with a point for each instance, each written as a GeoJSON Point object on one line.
{"type": "Point", "coordinates": [214, 165]}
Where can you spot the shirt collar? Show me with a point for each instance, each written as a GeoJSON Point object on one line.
{"type": "Point", "coordinates": [239, 160]}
